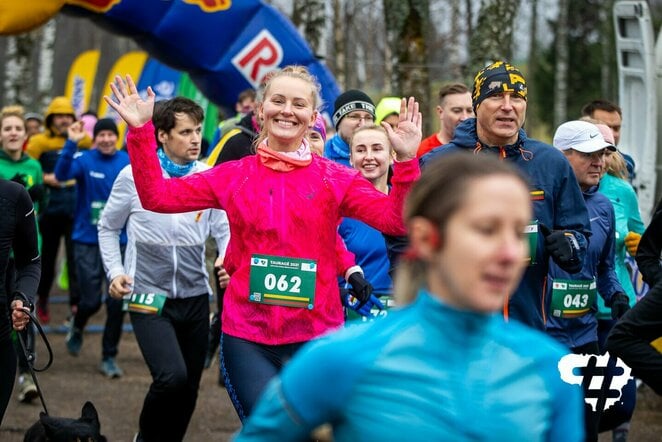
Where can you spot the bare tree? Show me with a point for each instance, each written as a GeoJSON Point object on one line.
{"type": "Point", "coordinates": [532, 117]}
{"type": "Point", "coordinates": [454, 40]}
{"type": "Point", "coordinates": [469, 17]}
{"type": "Point", "coordinates": [561, 66]}
{"type": "Point", "coordinates": [338, 59]}
{"type": "Point", "coordinates": [309, 16]}
{"type": "Point", "coordinates": [19, 75]}
{"type": "Point", "coordinates": [407, 22]}
{"type": "Point", "coordinates": [45, 65]}
{"type": "Point", "coordinates": [608, 48]}
{"type": "Point", "coordinates": [492, 37]}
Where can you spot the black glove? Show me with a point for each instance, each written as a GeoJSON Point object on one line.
{"type": "Point", "coordinates": [349, 301]}
{"type": "Point", "coordinates": [620, 304]}
{"type": "Point", "coordinates": [20, 179]}
{"type": "Point", "coordinates": [361, 288]}
{"type": "Point", "coordinates": [563, 248]}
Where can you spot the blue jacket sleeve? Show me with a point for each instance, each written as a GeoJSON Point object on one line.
{"type": "Point", "coordinates": [635, 224]}
{"type": "Point", "coordinates": [570, 213]}
{"type": "Point", "coordinates": [66, 167]}
{"type": "Point", "coordinates": [311, 390]}
{"type": "Point", "coordinates": [273, 419]}
{"type": "Point", "coordinates": [567, 411]}
{"type": "Point", "coordinates": [608, 283]}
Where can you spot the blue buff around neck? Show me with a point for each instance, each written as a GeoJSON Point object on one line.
{"type": "Point", "coordinates": [174, 170]}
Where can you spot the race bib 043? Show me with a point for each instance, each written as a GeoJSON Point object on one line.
{"type": "Point", "coordinates": [572, 298]}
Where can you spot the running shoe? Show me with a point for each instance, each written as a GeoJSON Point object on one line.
{"type": "Point", "coordinates": [74, 340]}
{"type": "Point", "coordinates": [27, 390]}
{"type": "Point", "coordinates": [110, 369]}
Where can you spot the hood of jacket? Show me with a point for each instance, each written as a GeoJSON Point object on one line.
{"type": "Point", "coordinates": [24, 157]}
{"type": "Point", "coordinates": [59, 106]}
{"type": "Point", "coordinates": [336, 149]}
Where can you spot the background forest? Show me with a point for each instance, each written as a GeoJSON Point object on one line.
{"type": "Point", "coordinates": [388, 47]}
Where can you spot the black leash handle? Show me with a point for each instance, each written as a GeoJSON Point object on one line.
{"type": "Point", "coordinates": [29, 357]}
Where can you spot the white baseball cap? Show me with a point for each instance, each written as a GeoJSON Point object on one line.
{"type": "Point", "coordinates": [581, 136]}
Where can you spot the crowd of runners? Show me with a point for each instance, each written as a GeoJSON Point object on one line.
{"type": "Point", "coordinates": [369, 281]}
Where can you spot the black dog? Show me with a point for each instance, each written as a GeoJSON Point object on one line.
{"type": "Point", "coordinates": [59, 429]}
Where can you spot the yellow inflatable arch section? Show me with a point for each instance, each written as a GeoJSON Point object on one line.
{"type": "Point", "coordinates": [18, 16]}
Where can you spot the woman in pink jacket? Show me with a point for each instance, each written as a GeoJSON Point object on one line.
{"type": "Point", "coordinates": [283, 205]}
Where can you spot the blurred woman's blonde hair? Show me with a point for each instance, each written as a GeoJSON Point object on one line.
{"type": "Point", "coordinates": [616, 166]}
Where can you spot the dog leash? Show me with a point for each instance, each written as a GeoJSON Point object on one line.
{"type": "Point", "coordinates": [30, 358]}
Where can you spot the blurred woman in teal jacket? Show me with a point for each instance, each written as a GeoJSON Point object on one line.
{"type": "Point", "coordinates": [447, 365]}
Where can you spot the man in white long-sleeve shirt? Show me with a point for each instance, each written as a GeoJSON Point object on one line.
{"type": "Point", "coordinates": [163, 278]}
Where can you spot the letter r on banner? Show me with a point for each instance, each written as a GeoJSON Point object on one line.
{"type": "Point", "coordinates": [260, 56]}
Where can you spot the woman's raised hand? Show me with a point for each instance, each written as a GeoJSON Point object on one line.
{"type": "Point", "coordinates": [406, 137]}
{"type": "Point", "coordinates": [133, 109]}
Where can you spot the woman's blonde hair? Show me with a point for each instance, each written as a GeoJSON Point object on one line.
{"type": "Point", "coordinates": [14, 110]}
{"type": "Point", "coordinates": [363, 128]}
{"type": "Point", "coordinates": [436, 196]}
{"type": "Point", "coordinates": [293, 71]}
{"type": "Point", "coordinates": [616, 166]}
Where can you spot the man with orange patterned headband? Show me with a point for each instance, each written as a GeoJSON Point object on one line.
{"type": "Point", "coordinates": [557, 230]}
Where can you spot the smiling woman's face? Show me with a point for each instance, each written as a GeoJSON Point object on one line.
{"type": "Point", "coordinates": [287, 112]}
{"type": "Point", "coordinates": [370, 154]}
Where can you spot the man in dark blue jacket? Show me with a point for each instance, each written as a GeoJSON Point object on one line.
{"type": "Point", "coordinates": [499, 100]}
{"type": "Point", "coordinates": [572, 299]}
{"type": "Point", "coordinates": [95, 171]}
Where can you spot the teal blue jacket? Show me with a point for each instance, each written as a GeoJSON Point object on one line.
{"type": "Point", "coordinates": [424, 372]}
{"type": "Point", "coordinates": [628, 219]}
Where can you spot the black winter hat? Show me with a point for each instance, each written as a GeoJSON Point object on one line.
{"type": "Point", "coordinates": [350, 101]}
{"type": "Point", "coordinates": [105, 124]}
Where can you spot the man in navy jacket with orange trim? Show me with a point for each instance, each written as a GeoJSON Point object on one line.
{"type": "Point", "coordinates": [499, 99]}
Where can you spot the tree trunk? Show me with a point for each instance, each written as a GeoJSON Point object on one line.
{"type": "Point", "coordinates": [407, 23]}
{"type": "Point", "coordinates": [45, 70]}
{"type": "Point", "coordinates": [19, 75]}
{"type": "Point", "coordinates": [338, 58]}
{"type": "Point", "coordinates": [608, 50]}
{"type": "Point", "coordinates": [532, 119]}
{"type": "Point", "coordinates": [454, 41]}
{"type": "Point", "coordinates": [470, 18]}
{"type": "Point", "coordinates": [561, 67]}
{"type": "Point", "coordinates": [492, 38]}
{"type": "Point", "coordinates": [350, 42]}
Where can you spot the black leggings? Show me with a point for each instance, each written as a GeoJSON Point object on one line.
{"type": "Point", "coordinates": [174, 346]}
{"type": "Point", "coordinates": [53, 228]}
{"type": "Point", "coordinates": [591, 418]}
{"type": "Point", "coordinates": [248, 367]}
